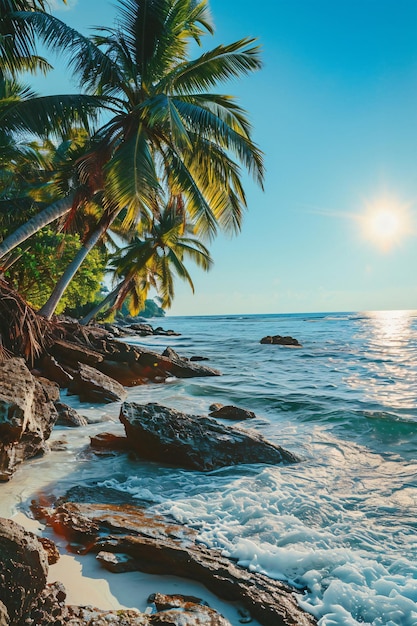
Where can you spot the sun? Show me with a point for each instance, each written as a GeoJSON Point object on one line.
{"type": "Point", "coordinates": [385, 223]}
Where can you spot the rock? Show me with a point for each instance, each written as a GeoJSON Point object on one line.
{"type": "Point", "coordinates": [159, 546]}
{"type": "Point", "coordinates": [72, 353]}
{"type": "Point", "coordinates": [27, 414]}
{"type": "Point", "coordinates": [51, 550]}
{"type": "Point", "coordinates": [196, 442]}
{"type": "Point", "coordinates": [142, 330]}
{"type": "Point", "coordinates": [67, 416]}
{"type": "Point", "coordinates": [52, 370]}
{"type": "Point", "coordinates": [183, 368]}
{"type": "Point", "coordinates": [232, 413]}
{"type": "Point", "coordinates": [4, 616]}
{"type": "Point", "coordinates": [94, 386]}
{"type": "Point", "coordinates": [167, 333]}
{"type": "Point", "coordinates": [199, 358]}
{"type": "Point", "coordinates": [109, 441]}
{"type": "Point", "coordinates": [117, 563]}
{"type": "Point", "coordinates": [281, 341]}
{"type": "Point", "coordinates": [198, 612]}
{"type": "Point", "coordinates": [215, 406]}
{"type": "Point", "coordinates": [127, 364]}
{"type": "Point", "coordinates": [23, 570]}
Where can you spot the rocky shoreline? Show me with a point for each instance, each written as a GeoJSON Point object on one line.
{"type": "Point", "coordinates": [96, 364]}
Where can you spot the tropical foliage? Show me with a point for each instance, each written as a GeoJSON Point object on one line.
{"type": "Point", "coordinates": [170, 140]}
{"type": "Point", "coordinates": [35, 272]}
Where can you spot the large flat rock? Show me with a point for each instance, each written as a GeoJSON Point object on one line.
{"type": "Point", "coordinates": [162, 434]}
{"type": "Point", "coordinates": [160, 546]}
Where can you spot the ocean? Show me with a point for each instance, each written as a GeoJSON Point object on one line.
{"type": "Point", "coordinates": [341, 525]}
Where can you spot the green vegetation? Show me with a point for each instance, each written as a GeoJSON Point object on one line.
{"type": "Point", "coordinates": [163, 171]}
{"type": "Point", "coordinates": [36, 271]}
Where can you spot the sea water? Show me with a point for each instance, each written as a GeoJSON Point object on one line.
{"type": "Point", "coordinates": [341, 525]}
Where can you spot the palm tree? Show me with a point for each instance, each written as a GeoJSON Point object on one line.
{"type": "Point", "coordinates": [169, 135]}
{"type": "Point", "coordinates": [153, 260]}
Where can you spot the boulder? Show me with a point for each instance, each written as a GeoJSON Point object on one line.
{"type": "Point", "coordinates": [94, 386]}
{"type": "Point", "coordinates": [162, 434]}
{"type": "Point", "coordinates": [281, 341]}
{"type": "Point", "coordinates": [52, 370]}
{"type": "Point", "coordinates": [230, 412]}
{"type": "Point", "coordinates": [159, 546]}
{"type": "Point", "coordinates": [67, 416]}
{"type": "Point", "coordinates": [23, 570]}
{"type": "Point", "coordinates": [27, 414]}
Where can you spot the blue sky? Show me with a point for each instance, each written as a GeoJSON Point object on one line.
{"type": "Point", "coordinates": [335, 111]}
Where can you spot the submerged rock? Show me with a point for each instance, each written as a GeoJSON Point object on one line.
{"type": "Point", "coordinates": [281, 341]}
{"type": "Point", "coordinates": [162, 434]}
{"type": "Point", "coordinates": [158, 546]}
{"type": "Point", "coordinates": [230, 412]}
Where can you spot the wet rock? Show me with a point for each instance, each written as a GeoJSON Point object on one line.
{"type": "Point", "coordinates": [117, 563]}
{"type": "Point", "coordinates": [230, 412]}
{"type": "Point", "coordinates": [281, 341]}
{"type": "Point", "coordinates": [109, 441]}
{"type": "Point", "coordinates": [127, 364]}
{"type": "Point", "coordinates": [183, 368]}
{"type": "Point", "coordinates": [167, 333]}
{"type": "Point", "coordinates": [159, 546]}
{"type": "Point", "coordinates": [94, 386]}
{"type": "Point", "coordinates": [199, 358]}
{"type": "Point", "coordinates": [172, 607]}
{"type": "Point", "coordinates": [143, 330]}
{"type": "Point", "coordinates": [215, 406]}
{"type": "Point", "coordinates": [27, 414]}
{"type": "Point", "coordinates": [67, 416]}
{"type": "Point", "coordinates": [162, 434]}
{"type": "Point", "coordinates": [23, 570]}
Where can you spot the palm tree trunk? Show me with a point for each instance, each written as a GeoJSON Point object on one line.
{"type": "Point", "coordinates": [109, 299]}
{"type": "Point", "coordinates": [49, 307]}
{"type": "Point", "coordinates": [45, 217]}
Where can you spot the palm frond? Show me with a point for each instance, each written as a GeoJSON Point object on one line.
{"type": "Point", "coordinates": [46, 114]}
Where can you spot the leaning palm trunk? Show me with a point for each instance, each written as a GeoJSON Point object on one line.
{"type": "Point", "coordinates": [109, 299]}
{"type": "Point", "coordinates": [49, 307]}
{"type": "Point", "coordinates": [45, 217]}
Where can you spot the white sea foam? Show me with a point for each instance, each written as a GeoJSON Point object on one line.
{"type": "Point", "coordinates": [270, 523]}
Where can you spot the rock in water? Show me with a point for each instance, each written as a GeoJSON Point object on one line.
{"type": "Point", "coordinates": [157, 545]}
{"type": "Point", "coordinates": [231, 412]}
{"type": "Point", "coordinates": [281, 341]}
{"type": "Point", "coordinates": [162, 434]}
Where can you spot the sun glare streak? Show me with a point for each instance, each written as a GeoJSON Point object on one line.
{"type": "Point", "coordinates": [385, 223]}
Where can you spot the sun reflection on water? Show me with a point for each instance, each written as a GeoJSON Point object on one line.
{"type": "Point", "coordinates": [386, 372]}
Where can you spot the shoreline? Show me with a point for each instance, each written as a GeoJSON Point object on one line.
{"type": "Point", "coordinates": [88, 584]}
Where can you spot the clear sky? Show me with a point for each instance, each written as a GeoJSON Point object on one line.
{"type": "Point", "coordinates": [335, 111]}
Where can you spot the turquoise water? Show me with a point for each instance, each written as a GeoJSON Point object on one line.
{"type": "Point", "coordinates": [342, 524]}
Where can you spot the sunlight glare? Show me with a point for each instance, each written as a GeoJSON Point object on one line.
{"type": "Point", "coordinates": [385, 223]}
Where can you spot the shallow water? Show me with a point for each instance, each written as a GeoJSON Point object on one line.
{"type": "Point", "coordinates": [342, 523]}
